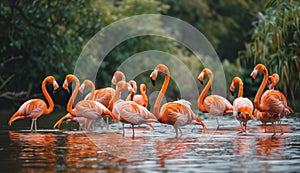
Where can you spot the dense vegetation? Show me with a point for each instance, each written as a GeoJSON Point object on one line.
{"type": "Point", "coordinates": [43, 37]}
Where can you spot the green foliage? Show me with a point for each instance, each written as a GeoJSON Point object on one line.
{"type": "Point", "coordinates": [276, 44]}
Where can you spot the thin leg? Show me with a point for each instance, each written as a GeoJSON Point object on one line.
{"type": "Point", "coordinates": [265, 127]}
{"type": "Point", "coordinates": [107, 123]}
{"type": "Point", "coordinates": [280, 127]}
{"type": "Point", "coordinates": [123, 129]}
{"type": "Point", "coordinates": [218, 123]}
{"type": "Point", "coordinates": [176, 131]}
{"type": "Point", "coordinates": [32, 122]}
{"type": "Point", "coordinates": [245, 130]}
{"type": "Point", "coordinates": [132, 130]}
{"type": "Point", "coordinates": [35, 125]}
{"type": "Point", "coordinates": [180, 131]}
{"type": "Point", "coordinates": [274, 130]}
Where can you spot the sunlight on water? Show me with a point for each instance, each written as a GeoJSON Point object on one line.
{"type": "Point", "coordinates": [107, 150]}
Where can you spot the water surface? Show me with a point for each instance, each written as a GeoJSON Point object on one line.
{"type": "Point", "coordinates": [223, 150]}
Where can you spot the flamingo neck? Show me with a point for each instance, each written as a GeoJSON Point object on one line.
{"type": "Point", "coordinates": [92, 95]}
{"type": "Point", "coordinates": [49, 100]}
{"type": "Point", "coordinates": [161, 94]}
{"type": "Point", "coordinates": [260, 91]}
{"type": "Point", "coordinates": [115, 98]}
{"type": "Point", "coordinates": [241, 88]}
{"type": "Point", "coordinates": [72, 98]}
{"type": "Point", "coordinates": [143, 93]}
{"type": "Point", "coordinates": [203, 93]}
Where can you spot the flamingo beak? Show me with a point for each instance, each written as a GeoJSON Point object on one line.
{"type": "Point", "coordinates": [153, 81]}
{"type": "Point", "coordinates": [232, 93]}
{"type": "Point", "coordinates": [253, 75]}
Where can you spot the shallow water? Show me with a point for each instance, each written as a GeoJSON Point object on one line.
{"type": "Point", "coordinates": [103, 150]}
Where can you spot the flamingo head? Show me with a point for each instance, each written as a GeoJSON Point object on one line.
{"type": "Point", "coordinates": [122, 85]}
{"type": "Point", "coordinates": [273, 80]}
{"type": "Point", "coordinates": [235, 81]}
{"type": "Point", "coordinates": [118, 75]}
{"type": "Point", "coordinates": [204, 73]}
{"type": "Point", "coordinates": [133, 85]}
{"type": "Point", "coordinates": [257, 69]}
{"type": "Point", "coordinates": [51, 80]}
{"type": "Point", "coordinates": [68, 79]}
{"type": "Point", "coordinates": [160, 68]}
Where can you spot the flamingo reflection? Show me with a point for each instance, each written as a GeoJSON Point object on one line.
{"type": "Point", "coordinates": [35, 150]}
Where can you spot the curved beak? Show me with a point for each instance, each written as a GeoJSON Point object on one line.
{"type": "Point", "coordinates": [232, 93]}
{"type": "Point", "coordinates": [153, 81]}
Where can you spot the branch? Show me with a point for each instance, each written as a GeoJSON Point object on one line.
{"type": "Point", "coordinates": [6, 81]}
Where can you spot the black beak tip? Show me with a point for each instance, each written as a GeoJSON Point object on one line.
{"type": "Point", "coordinates": [252, 79]}
{"type": "Point", "coordinates": [153, 81]}
{"type": "Point", "coordinates": [232, 93]}
{"type": "Point", "coordinates": [201, 82]}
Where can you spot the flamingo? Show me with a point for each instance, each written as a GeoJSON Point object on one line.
{"type": "Point", "coordinates": [266, 117]}
{"type": "Point", "coordinates": [81, 120]}
{"type": "Point", "coordinates": [88, 109]}
{"type": "Point", "coordinates": [129, 112]}
{"type": "Point", "coordinates": [176, 113]}
{"type": "Point", "coordinates": [272, 101]}
{"type": "Point", "coordinates": [141, 99]}
{"type": "Point", "coordinates": [34, 108]}
{"type": "Point", "coordinates": [243, 107]}
{"type": "Point", "coordinates": [104, 95]}
{"type": "Point", "coordinates": [214, 104]}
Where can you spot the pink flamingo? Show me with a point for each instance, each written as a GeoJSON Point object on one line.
{"type": "Point", "coordinates": [88, 109]}
{"type": "Point", "coordinates": [34, 108]}
{"type": "Point", "coordinates": [128, 111]}
{"type": "Point", "coordinates": [213, 104]}
{"type": "Point", "coordinates": [243, 107]}
{"type": "Point", "coordinates": [177, 113]}
{"type": "Point", "coordinates": [141, 99]}
{"type": "Point", "coordinates": [272, 101]}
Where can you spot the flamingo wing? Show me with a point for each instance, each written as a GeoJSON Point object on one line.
{"type": "Point", "coordinates": [33, 109]}
{"type": "Point", "coordinates": [88, 109]}
{"type": "Point", "coordinates": [177, 113]}
{"type": "Point", "coordinates": [274, 101]}
{"type": "Point", "coordinates": [241, 102]}
{"type": "Point", "coordinates": [133, 113]}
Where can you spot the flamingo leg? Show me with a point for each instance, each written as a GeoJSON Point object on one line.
{"type": "Point", "coordinates": [32, 122]}
{"type": "Point", "coordinates": [245, 130]}
{"type": "Point", "coordinates": [274, 130]}
{"type": "Point", "coordinates": [265, 127]}
{"type": "Point", "coordinates": [35, 125]}
{"type": "Point", "coordinates": [180, 131]}
{"type": "Point", "coordinates": [132, 130]}
{"type": "Point", "coordinates": [218, 123]}
{"type": "Point", "coordinates": [176, 131]}
{"type": "Point", "coordinates": [280, 127]}
{"type": "Point", "coordinates": [123, 129]}
{"type": "Point", "coordinates": [107, 123]}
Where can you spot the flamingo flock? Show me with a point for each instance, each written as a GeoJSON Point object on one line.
{"type": "Point", "coordinates": [269, 106]}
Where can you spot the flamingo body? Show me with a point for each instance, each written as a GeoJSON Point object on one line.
{"type": "Point", "coordinates": [34, 108]}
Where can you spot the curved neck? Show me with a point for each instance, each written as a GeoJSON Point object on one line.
{"type": "Point", "coordinates": [49, 100]}
{"type": "Point", "coordinates": [143, 93]}
{"type": "Point", "coordinates": [161, 93]}
{"type": "Point", "coordinates": [92, 95]}
{"type": "Point", "coordinates": [115, 98]}
{"type": "Point", "coordinates": [203, 93]}
{"type": "Point", "coordinates": [260, 90]}
{"type": "Point", "coordinates": [73, 96]}
{"type": "Point", "coordinates": [241, 88]}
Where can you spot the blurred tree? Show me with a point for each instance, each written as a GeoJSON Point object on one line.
{"type": "Point", "coordinates": [276, 43]}
{"type": "Point", "coordinates": [226, 24]}
{"type": "Point", "coordinates": [47, 35]}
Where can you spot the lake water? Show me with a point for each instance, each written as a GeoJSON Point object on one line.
{"type": "Point", "coordinates": [103, 150]}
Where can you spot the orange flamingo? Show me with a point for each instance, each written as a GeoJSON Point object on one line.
{"type": "Point", "coordinates": [243, 107]}
{"type": "Point", "coordinates": [89, 109]}
{"type": "Point", "coordinates": [34, 108]}
{"type": "Point", "coordinates": [213, 104]}
{"type": "Point", "coordinates": [177, 113]}
{"type": "Point", "coordinates": [141, 99]}
{"type": "Point", "coordinates": [266, 117]}
{"type": "Point", "coordinates": [104, 95]}
{"type": "Point", "coordinates": [272, 101]}
{"type": "Point", "coordinates": [129, 112]}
